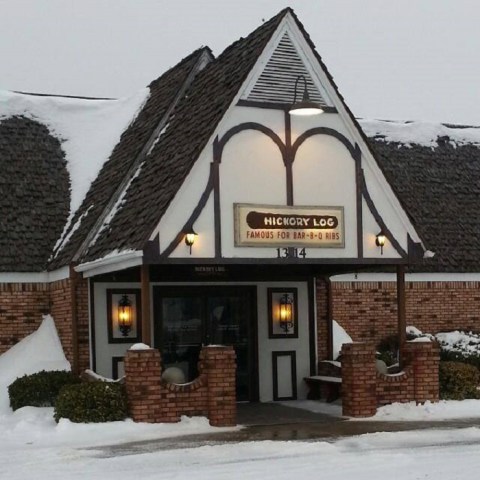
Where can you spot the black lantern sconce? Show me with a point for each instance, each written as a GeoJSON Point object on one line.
{"type": "Point", "coordinates": [190, 236]}
{"type": "Point", "coordinates": [380, 240]}
{"type": "Point", "coordinates": [125, 315]}
{"type": "Point", "coordinates": [286, 313]}
{"type": "Point", "coordinates": [306, 106]}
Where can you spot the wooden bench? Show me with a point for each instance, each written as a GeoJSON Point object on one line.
{"type": "Point", "coordinates": [322, 384]}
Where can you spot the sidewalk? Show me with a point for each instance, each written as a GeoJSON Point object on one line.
{"type": "Point", "coordinates": [274, 421]}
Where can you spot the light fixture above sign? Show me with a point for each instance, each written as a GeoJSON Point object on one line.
{"type": "Point", "coordinates": [190, 236]}
{"type": "Point", "coordinates": [380, 240]}
{"type": "Point", "coordinates": [305, 107]}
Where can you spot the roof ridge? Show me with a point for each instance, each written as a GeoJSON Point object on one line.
{"type": "Point", "coordinates": [199, 51]}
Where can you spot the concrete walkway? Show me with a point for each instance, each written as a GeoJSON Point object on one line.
{"type": "Point", "coordinates": [273, 421]}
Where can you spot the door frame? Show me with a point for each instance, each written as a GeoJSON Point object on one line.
{"type": "Point", "coordinates": [160, 291]}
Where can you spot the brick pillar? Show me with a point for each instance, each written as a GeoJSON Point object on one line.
{"type": "Point", "coordinates": [424, 358]}
{"type": "Point", "coordinates": [359, 379]}
{"type": "Point", "coordinates": [142, 382]}
{"type": "Point", "coordinates": [218, 363]}
{"type": "Point", "coordinates": [323, 318]}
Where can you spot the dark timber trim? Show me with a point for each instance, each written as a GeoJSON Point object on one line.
{"type": "Point", "coordinates": [91, 299]}
{"type": "Point", "coordinates": [359, 199]}
{"type": "Point", "coordinates": [293, 365]}
{"type": "Point", "coordinates": [217, 214]}
{"type": "Point", "coordinates": [323, 131]}
{"type": "Point", "coordinates": [380, 221]}
{"type": "Point", "coordinates": [328, 284]}
{"type": "Point", "coordinates": [249, 126]}
{"type": "Point", "coordinates": [193, 217]}
{"type": "Point", "coordinates": [289, 158]}
{"type": "Point", "coordinates": [276, 261]}
{"type": "Point", "coordinates": [312, 330]}
{"type": "Point", "coordinates": [145, 302]}
{"type": "Point", "coordinates": [276, 106]}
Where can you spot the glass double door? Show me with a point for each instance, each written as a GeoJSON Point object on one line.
{"type": "Point", "coordinates": [188, 317]}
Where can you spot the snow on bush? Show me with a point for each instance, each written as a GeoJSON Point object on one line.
{"type": "Point", "coordinates": [465, 343]}
{"type": "Point", "coordinates": [41, 350]}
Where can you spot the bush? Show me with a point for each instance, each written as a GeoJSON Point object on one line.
{"type": "Point", "coordinates": [387, 350]}
{"type": "Point", "coordinates": [457, 356]}
{"type": "Point", "coordinates": [92, 402]}
{"type": "Point", "coordinates": [458, 381]}
{"type": "Point", "coordinates": [39, 389]}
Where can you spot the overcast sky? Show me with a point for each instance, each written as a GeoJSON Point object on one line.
{"type": "Point", "coordinates": [392, 59]}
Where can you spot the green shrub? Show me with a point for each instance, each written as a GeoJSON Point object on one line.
{"type": "Point", "coordinates": [92, 402]}
{"type": "Point", "coordinates": [387, 350]}
{"type": "Point", "coordinates": [472, 358]}
{"type": "Point", "coordinates": [458, 381]}
{"type": "Point", "coordinates": [39, 389]}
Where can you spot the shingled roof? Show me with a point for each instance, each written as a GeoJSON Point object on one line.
{"type": "Point", "coordinates": [438, 181]}
{"type": "Point", "coordinates": [34, 194]}
{"type": "Point", "coordinates": [192, 124]}
{"type": "Point", "coordinates": [116, 170]}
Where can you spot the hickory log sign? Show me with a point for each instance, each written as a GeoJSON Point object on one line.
{"type": "Point", "coordinates": [267, 225]}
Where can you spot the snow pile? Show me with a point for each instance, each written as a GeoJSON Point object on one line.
{"type": "Point", "coordinates": [340, 336]}
{"type": "Point", "coordinates": [443, 410]}
{"type": "Point", "coordinates": [419, 133]}
{"type": "Point", "coordinates": [41, 350]}
{"type": "Point", "coordinates": [89, 129]}
{"type": "Point", "coordinates": [34, 425]}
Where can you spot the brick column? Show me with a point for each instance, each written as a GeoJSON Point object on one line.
{"type": "Point", "coordinates": [359, 380]}
{"type": "Point", "coordinates": [218, 363]}
{"type": "Point", "coordinates": [142, 382]}
{"type": "Point", "coordinates": [424, 358]}
{"type": "Point", "coordinates": [324, 333]}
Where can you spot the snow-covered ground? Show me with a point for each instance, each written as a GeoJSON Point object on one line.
{"type": "Point", "coordinates": [61, 453]}
{"type": "Point", "coordinates": [32, 445]}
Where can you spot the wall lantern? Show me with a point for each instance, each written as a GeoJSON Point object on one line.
{"type": "Point", "coordinates": [286, 313]}
{"type": "Point", "coordinates": [380, 240]}
{"type": "Point", "coordinates": [125, 315]}
{"type": "Point", "coordinates": [305, 107]}
{"type": "Point", "coordinates": [190, 238]}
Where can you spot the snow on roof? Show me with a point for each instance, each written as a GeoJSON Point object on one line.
{"type": "Point", "coordinates": [419, 133]}
{"type": "Point", "coordinates": [89, 129]}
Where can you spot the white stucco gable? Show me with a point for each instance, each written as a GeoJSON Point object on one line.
{"type": "Point", "coordinates": [261, 156]}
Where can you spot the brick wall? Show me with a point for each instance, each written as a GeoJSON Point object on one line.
{"type": "Point", "coordinates": [323, 321]}
{"type": "Point", "coordinates": [212, 394]}
{"type": "Point", "coordinates": [399, 388]}
{"type": "Point", "coordinates": [358, 380]}
{"type": "Point", "coordinates": [23, 304]}
{"type": "Point", "coordinates": [21, 309]}
{"type": "Point", "coordinates": [368, 310]}
{"type": "Point", "coordinates": [61, 311]}
{"type": "Point", "coordinates": [363, 388]}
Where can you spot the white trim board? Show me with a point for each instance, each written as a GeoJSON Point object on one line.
{"type": "Point", "coordinates": [112, 262]}
{"type": "Point", "coordinates": [35, 277]}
